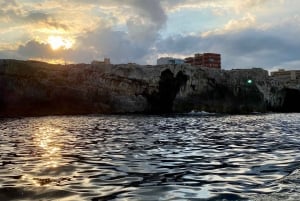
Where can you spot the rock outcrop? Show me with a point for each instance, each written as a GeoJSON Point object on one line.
{"type": "Point", "coordinates": [37, 88]}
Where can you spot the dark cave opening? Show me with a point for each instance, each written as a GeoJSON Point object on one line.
{"type": "Point", "coordinates": [291, 101]}
{"type": "Point", "coordinates": [162, 101]}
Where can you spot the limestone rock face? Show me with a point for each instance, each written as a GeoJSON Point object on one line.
{"type": "Point", "coordinates": [36, 88]}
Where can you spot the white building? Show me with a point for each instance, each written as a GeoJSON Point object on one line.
{"type": "Point", "coordinates": [169, 60]}
{"type": "Point", "coordinates": [286, 74]}
{"type": "Point", "coordinates": [105, 61]}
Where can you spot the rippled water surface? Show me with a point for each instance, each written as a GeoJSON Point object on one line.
{"type": "Point", "coordinates": [186, 157]}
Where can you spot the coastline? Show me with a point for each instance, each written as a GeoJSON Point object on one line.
{"type": "Point", "coordinates": [31, 88]}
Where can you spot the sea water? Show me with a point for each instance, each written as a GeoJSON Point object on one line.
{"type": "Point", "coordinates": [135, 157]}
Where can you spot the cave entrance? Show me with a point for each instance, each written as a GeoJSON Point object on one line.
{"type": "Point", "coordinates": [292, 101]}
{"type": "Point", "coordinates": [162, 101]}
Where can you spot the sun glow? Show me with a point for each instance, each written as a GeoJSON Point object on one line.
{"type": "Point", "coordinates": [57, 42]}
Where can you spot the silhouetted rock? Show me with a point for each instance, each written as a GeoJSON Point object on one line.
{"type": "Point", "coordinates": [37, 88]}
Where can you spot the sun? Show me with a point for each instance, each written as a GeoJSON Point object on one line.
{"type": "Point", "coordinates": [58, 42]}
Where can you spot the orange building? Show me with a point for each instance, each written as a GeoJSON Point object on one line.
{"type": "Point", "coordinates": [210, 60]}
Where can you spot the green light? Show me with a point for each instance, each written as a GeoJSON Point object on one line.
{"type": "Point", "coordinates": [249, 81]}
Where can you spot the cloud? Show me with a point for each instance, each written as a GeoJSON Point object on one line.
{"type": "Point", "coordinates": [37, 16]}
{"type": "Point", "coordinates": [114, 44]}
{"type": "Point", "coordinates": [149, 19]}
{"type": "Point", "coordinates": [143, 21]}
{"type": "Point", "coordinates": [133, 43]}
{"type": "Point", "coordinates": [150, 11]}
{"type": "Point", "coordinates": [35, 49]}
{"type": "Point", "coordinates": [94, 45]}
{"type": "Point", "coordinates": [9, 9]}
{"type": "Point", "coordinates": [234, 25]}
{"type": "Point", "coordinates": [7, 54]}
{"type": "Point", "coordinates": [247, 33]}
{"type": "Point", "coordinates": [243, 48]}
{"type": "Point", "coordinates": [251, 3]}
{"type": "Point", "coordinates": [233, 5]}
{"type": "Point", "coordinates": [153, 11]}
{"type": "Point", "coordinates": [16, 14]}
{"type": "Point", "coordinates": [248, 21]}
{"type": "Point", "coordinates": [290, 65]}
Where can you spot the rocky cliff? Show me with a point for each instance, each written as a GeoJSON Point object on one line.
{"type": "Point", "coordinates": [36, 88]}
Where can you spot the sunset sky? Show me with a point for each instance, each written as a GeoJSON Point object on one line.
{"type": "Point", "coordinates": [248, 33]}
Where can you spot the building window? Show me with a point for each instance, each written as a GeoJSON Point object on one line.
{"type": "Point", "coordinates": [211, 60]}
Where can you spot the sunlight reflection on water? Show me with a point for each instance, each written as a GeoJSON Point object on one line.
{"type": "Point", "coordinates": [46, 139]}
{"type": "Point", "coordinates": [147, 157]}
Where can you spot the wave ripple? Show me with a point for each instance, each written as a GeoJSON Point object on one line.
{"type": "Point", "coordinates": [189, 157]}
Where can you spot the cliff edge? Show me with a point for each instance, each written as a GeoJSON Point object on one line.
{"type": "Point", "coordinates": [30, 88]}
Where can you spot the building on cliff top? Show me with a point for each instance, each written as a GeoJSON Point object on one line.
{"type": "Point", "coordinates": [286, 75]}
{"type": "Point", "coordinates": [210, 60]}
{"type": "Point", "coordinates": [169, 60]}
{"type": "Point", "coordinates": [105, 61]}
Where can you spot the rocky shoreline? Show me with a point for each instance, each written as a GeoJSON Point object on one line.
{"type": "Point", "coordinates": [31, 88]}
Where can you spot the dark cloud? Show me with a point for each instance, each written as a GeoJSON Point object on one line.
{"type": "Point", "coordinates": [150, 18]}
{"type": "Point", "coordinates": [152, 10]}
{"type": "Point", "coordinates": [114, 44]}
{"type": "Point", "coordinates": [93, 46]}
{"type": "Point", "coordinates": [9, 54]}
{"type": "Point", "coordinates": [35, 49]}
{"type": "Point", "coordinates": [180, 44]}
